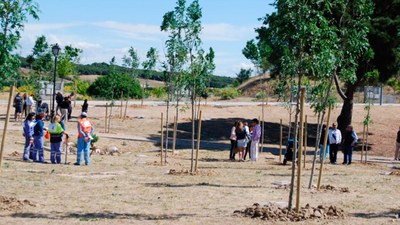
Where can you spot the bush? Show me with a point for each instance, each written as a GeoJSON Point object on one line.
{"type": "Point", "coordinates": [226, 93]}
{"type": "Point", "coordinates": [115, 86]}
{"type": "Point", "coordinates": [24, 89]}
{"type": "Point", "coordinates": [158, 92]}
{"type": "Point", "coordinates": [261, 95]}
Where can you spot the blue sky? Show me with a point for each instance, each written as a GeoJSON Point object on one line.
{"type": "Point", "coordinates": [104, 28]}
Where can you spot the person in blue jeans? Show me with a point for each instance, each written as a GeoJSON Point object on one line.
{"type": "Point", "coordinates": [38, 139]}
{"type": "Point", "coordinates": [321, 144]}
{"type": "Point", "coordinates": [56, 131]}
{"type": "Point", "coordinates": [85, 132]}
{"type": "Point", "coordinates": [349, 141]}
{"type": "Point", "coordinates": [29, 124]}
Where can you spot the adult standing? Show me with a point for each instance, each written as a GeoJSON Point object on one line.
{"type": "Point", "coordinates": [70, 105]}
{"type": "Point", "coordinates": [233, 141]}
{"type": "Point", "coordinates": [25, 112]}
{"type": "Point", "coordinates": [350, 140]}
{"type": "Point", "coordinates": [397, 149]}
{"type": "Point", "coordinates": [85, 106]}
{"type": "Point", "coordinates": [85, 132]}
{"type": "Point", "coordinates": [18, 106]}
{"type": "Point", "coordinates": [38, 139]}
{"type": "Point", "coordinates": [335, 138]}
{"type": "Point", "coordinates": [241, 137]}
{"type": "Point", "coordinates": [29, 103]}
{"type": "Point", "coordinates": [255, 139]}
{"type": "Point", "coordinates": [64, 109]}
{"type": "Point", "coordinates": [56, 131]}
{"type": "Point", "coordinates": [250, 132]}
{"type": "Point", "coordinates": [29, 124]}
{"type": "Point", "coordinates": [59, 100]}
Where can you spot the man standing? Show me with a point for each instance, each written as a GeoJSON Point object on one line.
{"type": "Point", "coordinates": [85, 131]}
{"type": "Point", "coordinates": [335, 138]}
{"type": "Point", "coordinates": [255, 139]}
{"type": "Point", "coordinates": [350, 140]}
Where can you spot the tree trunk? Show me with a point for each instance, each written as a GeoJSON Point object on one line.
{"type": "Point", "coordinates": [344, 119]}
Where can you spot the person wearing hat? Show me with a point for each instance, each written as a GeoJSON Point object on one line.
{"type": "Point", "coordinates": [85, 131]}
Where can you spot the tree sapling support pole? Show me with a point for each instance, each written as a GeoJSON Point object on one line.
{"type": "Point", "coordinates": [305, 141]}
{"type": "Point", "coordinates": [105, 119]}
{"type": "Point", "coordinates": [324, 148]}
{"type": "Point", "coordinates": [10, 98]}
{"type": "Point", "coordinates": [301, 129]}
{"type": "Point", "coordinates": [198, 141]}
{"type": "Point", "coordinates": [162, 138]}
{"type": "Point", "coordinates": [363, 145]}
{"type": "Point", "coordinates": [126, 107]}
{"type": "Point", "coordinates": [280, 142]}
{"type": "Point", "coordinates": [109, 118]}
{"type": "Point", "coordinates": [174, 136]}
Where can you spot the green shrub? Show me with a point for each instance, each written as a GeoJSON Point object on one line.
{"type": "Point", "coordinates": [261, 95]}
{"type": "Point", "coordinates": [159, 92]}
{"type": "Point", "coordinates": [115, 86]}
{"type": "Point", "coordinates": [226, 93]}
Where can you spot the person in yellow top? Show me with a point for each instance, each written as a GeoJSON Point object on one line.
{"type": "Point", "coordinates": [56, 131]}
{"type": "Point", "coordinates": [85, 132]}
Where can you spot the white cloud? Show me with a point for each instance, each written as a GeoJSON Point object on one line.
{"type": "Point", "coordinates": [135, 31]}
{"type": "Point", "coordinates": [226, 32]}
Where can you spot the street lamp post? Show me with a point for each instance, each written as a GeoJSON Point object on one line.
{"type": "Point", "coordinates": [56, 50]}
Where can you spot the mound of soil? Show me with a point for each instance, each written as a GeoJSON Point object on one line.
{"type": "Point", "coordinates": [272, 212]}
{"type": "Point", "coordinates": [333, 188]}
{"type": "Point", "coordinates": [13, 204]}
{"type": "Point", "coordinates": [187, 172]}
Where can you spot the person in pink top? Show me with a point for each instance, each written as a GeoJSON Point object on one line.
{"type": "Point", "coordinates": [233, 141]}
{"type": "Point", "coordinates": [255, 139]}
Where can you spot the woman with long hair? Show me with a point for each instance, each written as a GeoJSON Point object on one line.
{"type": "Point", "coordinates": [38, 139]}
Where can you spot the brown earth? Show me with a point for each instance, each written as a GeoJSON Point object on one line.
{"type": "Point", "coordinates": [133, 188]}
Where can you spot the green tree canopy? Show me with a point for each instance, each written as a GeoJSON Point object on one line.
{"type": "Point", "coordinates": [14, 14]}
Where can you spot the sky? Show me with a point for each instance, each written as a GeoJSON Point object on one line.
{"type": "Point", "coordinates": [104, 28]}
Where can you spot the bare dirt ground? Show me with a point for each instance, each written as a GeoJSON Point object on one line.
{"type": "Point", "coordinates": [132, 187]}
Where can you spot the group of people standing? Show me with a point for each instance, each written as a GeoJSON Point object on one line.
{"type": "Point", "coordinates": [245, 140]}
{"type": "Point", "coordinates": [23, 105]}
{"type": "Point", "coordinates": [64, 105]}
{"type": "Point", "coordinates": [335, 140]}
{"type": "Point", "coordinates": [35, 132]}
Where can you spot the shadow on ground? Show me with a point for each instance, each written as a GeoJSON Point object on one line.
{"type": "Point", "coordinates": [199, 185]}
{"type": "Point", "coordinates": [101, 215]}
{"type": "Point", "coordinates": [215, 135]}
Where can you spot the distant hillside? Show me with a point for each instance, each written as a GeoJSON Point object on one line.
{"type": "Point", "coordinates": [104, 68]}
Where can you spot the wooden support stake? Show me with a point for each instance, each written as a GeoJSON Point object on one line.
{"type": "Point", "coordinates": [10, 98]}
{"type": "Point", "coordinates": [198, 141]}
{"type": "Point", "coordinates": [280, 142]}
{"type": "Point", "coordinates": [174, 136]}
{"type": "Point", "coordinates": [301, 129]}
{"type": "Point", "coordinates": [109, 118]}
{"type": "Point", "coordinates": [120, 111]}
{"type": "Point", "coordinates": [105, 119]}
{"type": "Point", "coordinates": [366, 145]}
{"type": "Point", "coordinates": [363, 145]}
{"type": "Point", "coordinates": [162, 138]}
{"type": "Point", "coordinates": [126, 106]}
{"type": "Point", "coordinates": [324, 148]}
{"type": "Point", "coordinates": [305, 141]}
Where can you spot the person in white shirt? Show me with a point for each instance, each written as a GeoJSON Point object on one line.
{"type": "Point", "coordinates": [29, 103]}
{"type": "Point", "coordinates": [335, 138]}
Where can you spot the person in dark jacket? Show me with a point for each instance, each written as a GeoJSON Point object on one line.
{"type": "Point", "coordinates": [38, 139]}
{"type": "Point", "coordinates": [349, 141]}
{"type": "Point", "coordinates": [85, 106]}
{"type": "Point", "coordinates": [18, 102]}
{"type": "Point", "coordinates": [59, 100]}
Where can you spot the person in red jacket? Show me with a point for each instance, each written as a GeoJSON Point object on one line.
{"type": "Point", "coordinates": [85, 132]}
